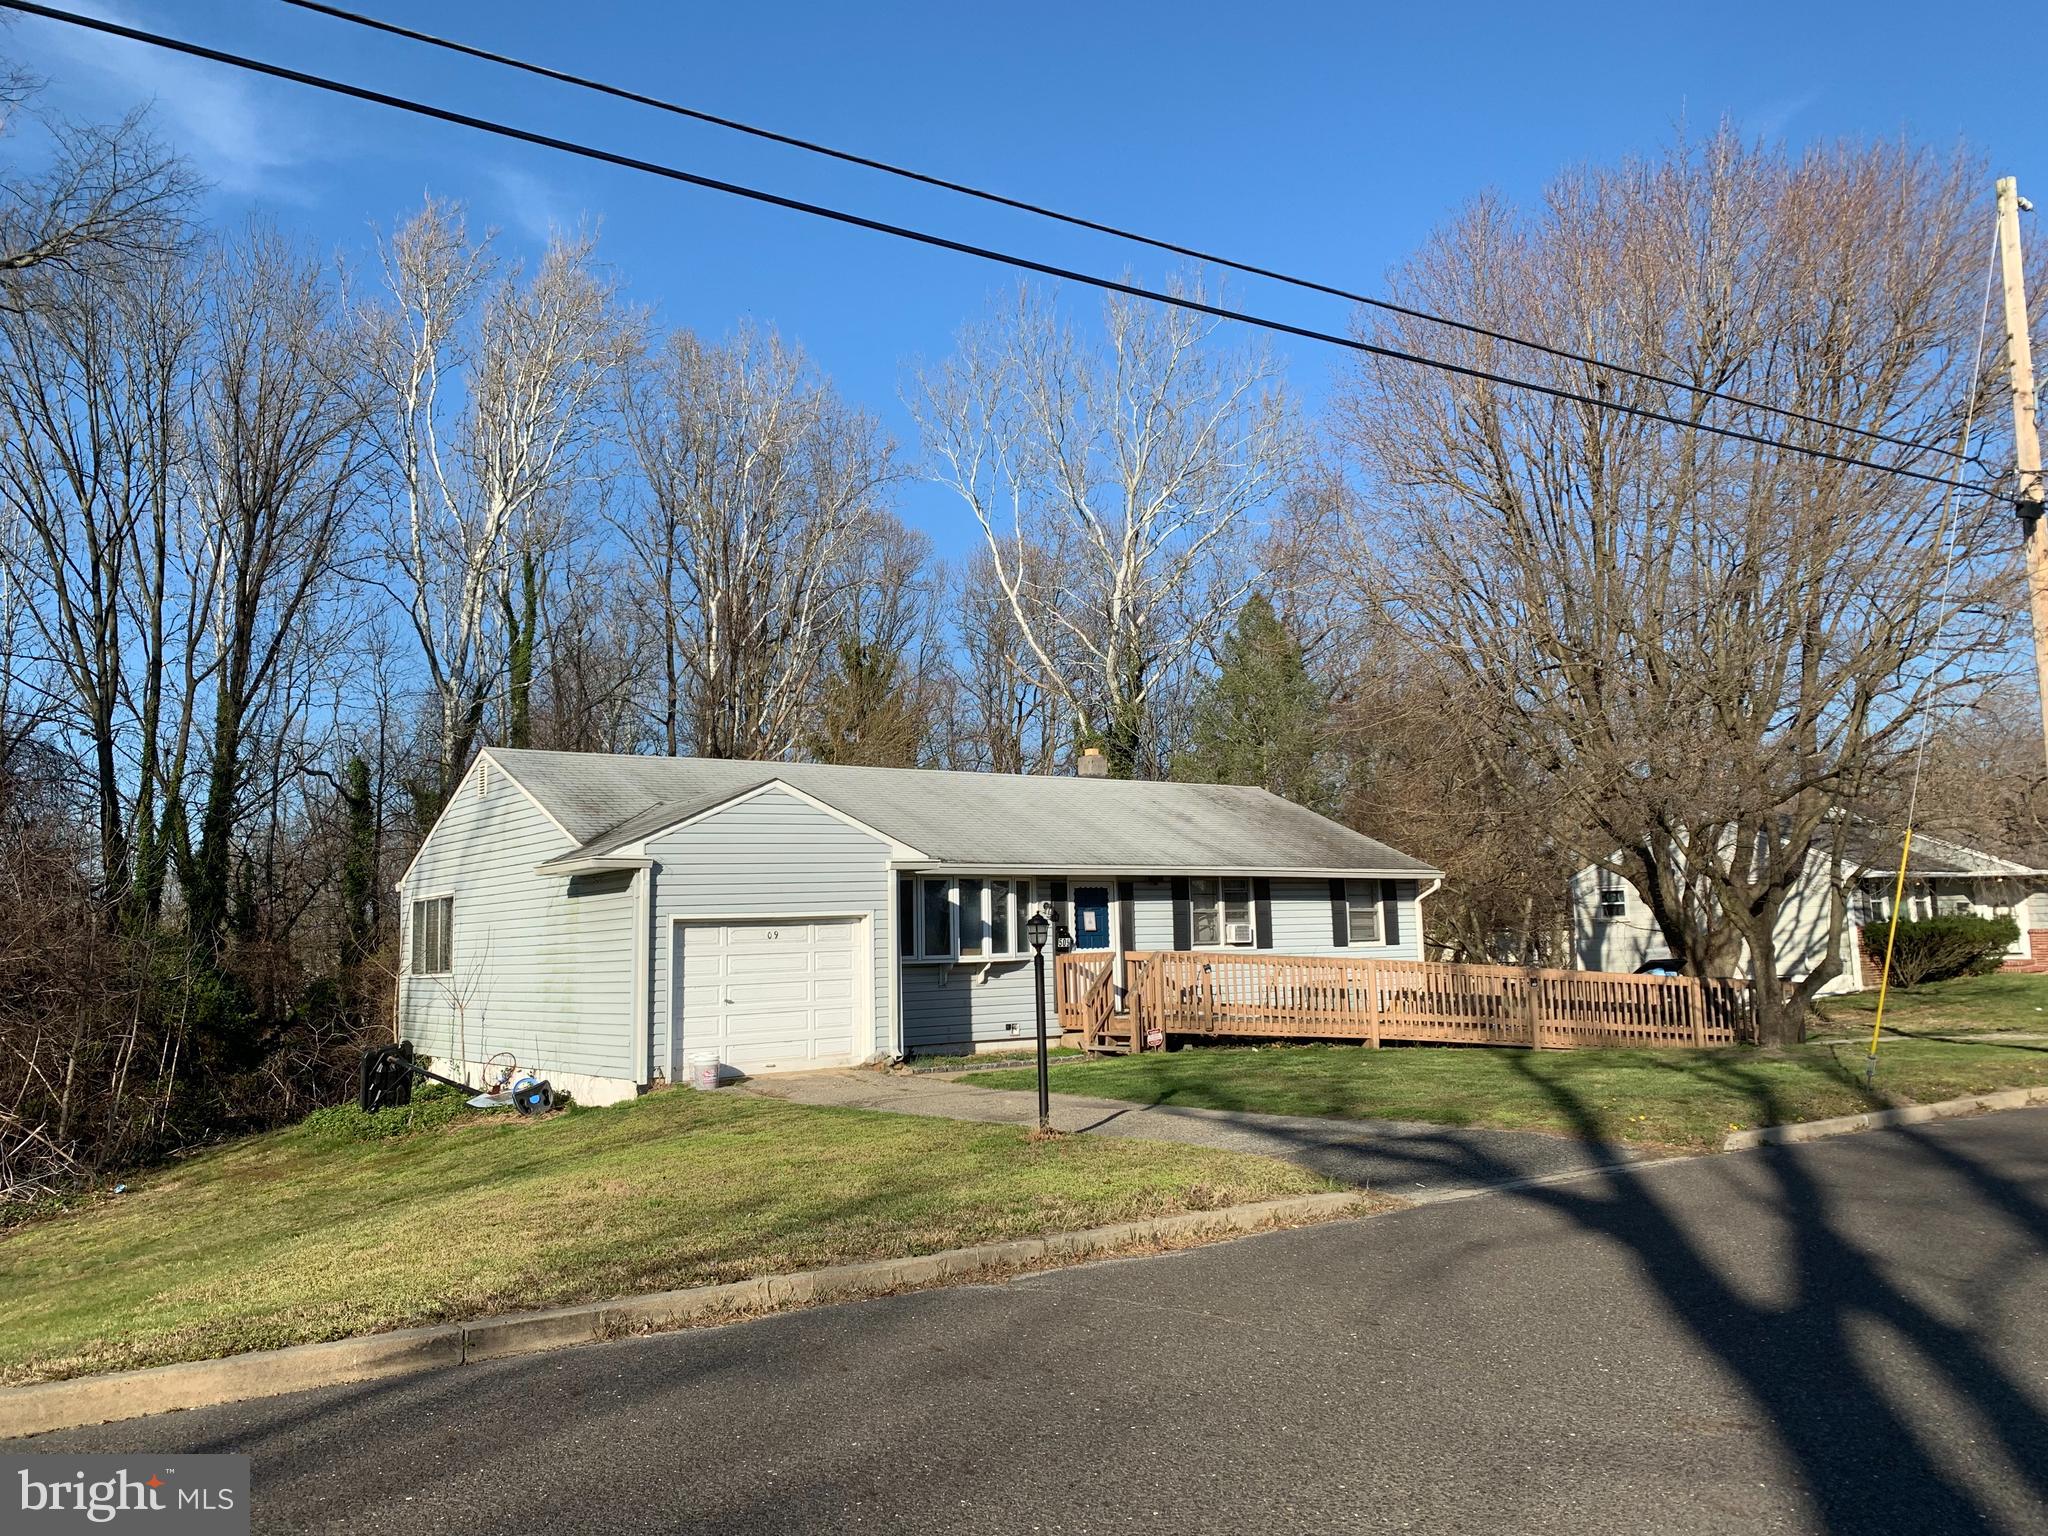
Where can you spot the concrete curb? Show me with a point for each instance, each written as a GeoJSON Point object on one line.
{"type": "Point", "coordinates": [1878, 1119]}
{"type": "Point", "coordinates": [51, 1405]}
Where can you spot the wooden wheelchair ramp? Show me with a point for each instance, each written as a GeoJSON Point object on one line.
{"type": "Point", "coordinates": [1166, 993]}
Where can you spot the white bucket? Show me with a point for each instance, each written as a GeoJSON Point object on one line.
{"type": "Point", "coordinates": [704, 1070]}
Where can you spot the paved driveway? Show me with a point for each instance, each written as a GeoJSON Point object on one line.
{"type": "Point", "coordinates": [1400, 1157]}
{"type": "Point", "coordinates": [1844, 1337]}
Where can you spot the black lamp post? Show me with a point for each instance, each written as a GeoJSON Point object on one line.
{"type": "Point", "coordinates": [1037, 929]}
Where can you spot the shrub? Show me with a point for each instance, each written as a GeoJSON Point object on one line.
{"type": "Point", "coordinates": [430, 1107]}
{"type": "Point", "coordinates": [1937, 948]}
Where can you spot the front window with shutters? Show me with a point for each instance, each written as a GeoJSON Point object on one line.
{"type": "Point", "coordinates": [433, 936]}
{"type": "Point", "coordinates": [1219, 912]}
{"type": "Point", "coordinates": [1362, 911]}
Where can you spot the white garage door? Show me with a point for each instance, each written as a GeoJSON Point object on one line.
{"type": "Point", "coordinates": [772, 996]}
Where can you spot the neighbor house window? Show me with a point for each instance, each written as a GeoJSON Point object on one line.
{"type": "Point", "coordinates": [1362, 914]}
{"type": "Point", "coordinates": [433, 936]}
{"type": "Point", "coordinates": [1613, 894]}
{"type": "Point", "coordinates": [1216, 908]}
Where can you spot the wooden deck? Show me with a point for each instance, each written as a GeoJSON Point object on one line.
{"type": "Point", "coordinates": [1215, 995]}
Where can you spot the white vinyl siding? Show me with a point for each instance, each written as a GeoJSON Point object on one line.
{"type": "Point", "coordinates": [1602, 943]}
{"type": "Point", "coordinates": [540, 966]}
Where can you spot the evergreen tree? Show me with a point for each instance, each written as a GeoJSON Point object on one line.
{"type": "Point", "coordinates": [866, 713]}
{"type": "Point", "coordinates": [358, 865]}
{"type": "Point", "coordinates": [1260, 719]}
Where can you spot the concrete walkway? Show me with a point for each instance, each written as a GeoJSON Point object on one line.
{"type": "Point", "coordinates": [1398, 1157]}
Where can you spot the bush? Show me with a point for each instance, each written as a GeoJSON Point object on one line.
{"type": "Point", "coordinates": [1938, 948]}
{"type": "Point", "coordinates": [430, 1107]}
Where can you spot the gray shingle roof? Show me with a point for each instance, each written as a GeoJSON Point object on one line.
{"type": "Point", "coordinates": [1877, 851]}
{"type": "Point", "coordinates": [986, 819]}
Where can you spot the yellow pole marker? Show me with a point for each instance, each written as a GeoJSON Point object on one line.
{"type": "Point", "coordinates": [1884, 977]}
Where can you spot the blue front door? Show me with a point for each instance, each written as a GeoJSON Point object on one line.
{"type": "Point", "coordinates": [1091, 917]}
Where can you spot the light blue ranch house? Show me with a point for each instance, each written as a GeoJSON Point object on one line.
{"type": "Point", "coordinates": [607, 920]}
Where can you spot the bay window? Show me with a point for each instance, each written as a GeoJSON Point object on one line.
{"type": "Point", "coordinates": [975, 917]}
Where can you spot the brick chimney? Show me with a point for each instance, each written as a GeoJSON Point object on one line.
{"type": "Point", "coordinates": [1092, 765]}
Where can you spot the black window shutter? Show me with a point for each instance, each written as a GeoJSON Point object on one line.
{"type": "Point", "coordinates": [1390, 912]}
{"type": "Point", "coordinates": [1262, 913]}
{"type": "Point", "coordinates": [1340, 915]}
{"type": "Point", "coordinates": [1127, 913]}
{"type": "Point", "coordinates": [1183, 915]}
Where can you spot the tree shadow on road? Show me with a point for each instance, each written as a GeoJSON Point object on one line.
{"type": "Point", "coordinates": [1844, 1418]}
{"type": "Point", "coordinates": [1865, 1463]}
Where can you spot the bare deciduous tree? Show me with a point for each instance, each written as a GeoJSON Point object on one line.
{"type": "Point", "coordinates": [1116, 487]}
{"type": "Point", "coordinates": [492, 389]}
{"type": "Point", "coordinates": [1705, 647]}
{"type": "Point", "coordinates": [760, 481]}
{"type": "Point", "coordinates": [110, 195]}
{"type": "Point", "coordinates": [92, 446]}
{"type": "Point", "coordinates": [278, 436]}
{"type": "Point", "coordinates": [1007, 718]}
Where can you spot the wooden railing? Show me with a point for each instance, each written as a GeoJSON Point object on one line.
{"type": "Point", "coordinates": [1315, 998]}
{"type": "Point", "coordinates": [1085, 984]}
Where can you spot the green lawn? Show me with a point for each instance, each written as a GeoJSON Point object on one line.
{"type": "Point", "coordinates": [313, 1233]}
{"type": "Point", "coordinates": [1671, 1098]}
{"type": "Point", "coordinates": [2004, 1000]}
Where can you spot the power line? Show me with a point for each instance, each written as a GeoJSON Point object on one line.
{"type": "Point", "coordinates": [938, 242]}
{"type": "Point", "coordinates": [1077, 221]}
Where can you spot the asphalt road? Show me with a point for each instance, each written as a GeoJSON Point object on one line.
{"type": "Point", "coordinates": [1850, 1336]}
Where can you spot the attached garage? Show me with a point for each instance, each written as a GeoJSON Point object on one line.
{"type": "Point", "coordinates": [773, 994]}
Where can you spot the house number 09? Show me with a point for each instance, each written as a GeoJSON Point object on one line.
{"type": "Point", "coordinates": [774, 933]}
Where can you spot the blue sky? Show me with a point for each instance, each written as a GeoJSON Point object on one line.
{"type": "Point", "coordinates": [1321, 138]}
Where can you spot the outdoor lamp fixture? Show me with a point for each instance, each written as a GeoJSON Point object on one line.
{"type": "Point", "coordinates": [1038, 928]}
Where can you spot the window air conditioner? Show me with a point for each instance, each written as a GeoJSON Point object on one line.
{"type": "Point", "coordinates": [1237, 933]}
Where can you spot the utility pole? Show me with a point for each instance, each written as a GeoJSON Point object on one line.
{"type": "Point", "coordinates": [2026, 437]}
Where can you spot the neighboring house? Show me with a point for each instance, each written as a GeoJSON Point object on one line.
{"type": "Point", "coordinates": [604, 918]}
{"type": "Point", "coordinates": [1613, 930]}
